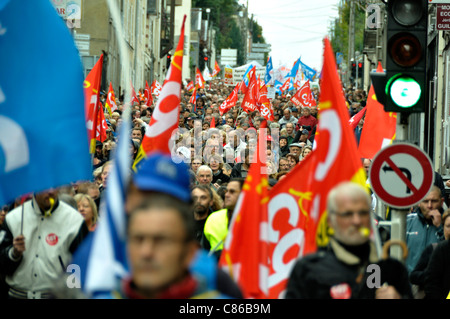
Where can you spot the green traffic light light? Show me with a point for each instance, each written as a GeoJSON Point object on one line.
{"type": "Point", "coordinates": [404, 90]}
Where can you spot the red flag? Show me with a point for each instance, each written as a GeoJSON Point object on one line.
{"type": "Point", "coordinates": [213, 123]}
{"type": "Point", "coordinates": [247, 79]}
{"type": "Point", "coordinates": [134, 98]}
{"type": "Point", "coordinates": [216, 69]}
{"type": "Point", "coordinates": [298, 210]}
{"type": "Point", "coordinates": [379, 126]}
{"type": "Point", "coordinates": [156, 88]}
{"type": "Point", "coordinates": [304, 97]}
{"type": "Point", "coordinates": [91, 92]}
{"type": "Point", "coordinates": [251, 97]}
{"type": "Point", "coordinates": [353, 122]}
{"type": "Point", "coordinates": [110, 103]}
{"type": "Point", "coordinates": [193, 98]}
{"type": "Point", "coordinates": [164, 120]}
{"type": "Point", "coordinates": [199, 81]}
{"type": "Point", "coordinates": [148, 95]}
{"type": "Point", "coordinates": [285, 86]}
{"type": "Point", "coordinates": [190, 86]}
{"type": "Point", "coordinates": [265, 107]}
{"type": "Point", "coordinates": [230, 102]}
{"type": "Point", "coordinates": [101, 125]}
{"type": "Point", "coordinates": [248, 263]}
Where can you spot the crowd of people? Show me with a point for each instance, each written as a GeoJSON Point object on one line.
{"type": "Point", "coordinates": [198, 196]}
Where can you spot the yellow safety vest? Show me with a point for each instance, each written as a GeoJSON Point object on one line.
{"type": "Point", "coordinates": [216, 229]}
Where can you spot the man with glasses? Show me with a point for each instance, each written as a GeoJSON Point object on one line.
{"type": "Point", "coordinates": [340, 271]}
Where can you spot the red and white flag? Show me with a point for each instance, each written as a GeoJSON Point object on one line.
{"type": "Point", "coordinates": [230, 102]}
{"type": "Point", "coordinates": [251, 97]}
{"type": "Point", "coordinates": [265, 106]}
{"type": "Point", "coordinates": [156, 88]}
{"type": "Point", "coordinates": [110, 103]}
{"type": "Point", "coordinates": [298, 216]}
{"type": "Point", "coordinates": [286, 85]}
{"type": "Point", "coordinates": [304, 97]}
{"type": "Point", "coordinates": [164, 121]}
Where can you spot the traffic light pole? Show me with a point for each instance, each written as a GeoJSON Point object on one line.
{"type": "Point", "coordinates": [398, 216]}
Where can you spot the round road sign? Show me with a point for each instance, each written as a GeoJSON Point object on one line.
{"type": "Point", "coordinates": [401, 175]}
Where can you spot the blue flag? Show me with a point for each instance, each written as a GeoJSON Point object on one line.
{"type": "Point", "coordinates": [43, 136]}
{"type": "Point", "coordinates": [309, 72]}
{"type": "Point", "coordinates": [246, 76]}
{"type": "Point", "coordinates": [293, 72]}
{"type": "Point", "coordinates": [269, 68]}
{"type": "Point", "coordinates": [277, 86]}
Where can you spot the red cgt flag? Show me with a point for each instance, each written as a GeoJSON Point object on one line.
{"type": "Point", "coordinates": [110, 103]}
{"type": "Point", "coordinates": [379, 126]}
{"type": "Point", "coordinates": [148, 95]}
{"type": "Point", "coordinates": [303, 97]}
{"type": "Point", "coordinates": [251, 97]}
{"type": "Point", "coordinates": [156, 88]}
{"type": "Point", "coordinates": [91, 92]}
{"type": "Point", "coordinates": [230, 102]}
{"type": "Point", "coordinates": [164, 119]}
{"type": "Point", "coordinates": [297, 223]}
{"type": "Point", "coordinates": [286, 85]}
{"type": "Point", "coordinates": [248, 263]}
{"type": "Point", "coordinates": [265, 107]}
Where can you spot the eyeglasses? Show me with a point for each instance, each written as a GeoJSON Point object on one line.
{"type": "Point", "coordinates": [350, 214]}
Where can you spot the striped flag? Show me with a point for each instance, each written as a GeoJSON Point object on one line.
{"type": "Point", "coordinates": [102, 255]}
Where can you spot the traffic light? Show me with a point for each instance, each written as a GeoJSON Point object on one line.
{"type": "Point", "coordinates": [360, 70]}
{"type": "Point", "coordinates": [169, 57]}
{"type": "Point", "coordinates": [406, 80]}
{"type": "Point", "coordinates": [353, 69]}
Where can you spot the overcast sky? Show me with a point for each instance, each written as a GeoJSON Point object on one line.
{"type": "Point", "coordinates": [294, 28]}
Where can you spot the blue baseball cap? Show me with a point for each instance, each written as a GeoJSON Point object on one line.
{"type": "Point", "coordinates": [160, 173]}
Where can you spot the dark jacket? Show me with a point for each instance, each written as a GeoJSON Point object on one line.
{"type": "Point", "coordinates": [420, 233]}
{"type": "Point", "coordinates": [417, 276]}
{"type": "Point", "coordinates": [220, 175]}
{"type": "Point", "coordinates": [334, 272]}
{"type": "Point", "coordinates": [237, 171]}
{"type": "Point", "coordinates": [437, 275]}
